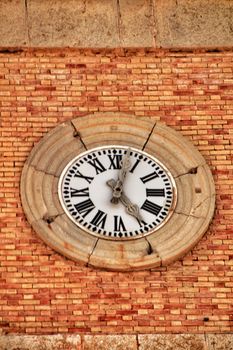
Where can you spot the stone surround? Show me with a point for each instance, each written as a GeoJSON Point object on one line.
{"type": "Point", "coordinates": [118, 342]}
{"type": "Point", "coordinates": [116, 23]}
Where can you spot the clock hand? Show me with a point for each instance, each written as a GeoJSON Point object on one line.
{"type": "Point", "coordinates": [131, 208]}
{"type": "Point", "coordinates": [118, 188]}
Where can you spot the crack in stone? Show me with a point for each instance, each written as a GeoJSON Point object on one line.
{"type": "Point", "coordinates": [204, 200]}
{"type": "Point", "coordinates": [78, 135]}
{"type": "Point", "coordinates": [50, 218]}
{"type": "Point", "coordinates": [154, 25]}
{"type": "Point", "coordinates": [27, 22]}
{"type": "Point", "coordinates": [191, 171]}
{"type": "Point", "coordinates": [43, 171]}
{"type": "Point", "coordinates": [119, 22]}
{"type": "Point", "coordinates": [46, 217]}
{"type": "Point", "coordinates": [188, 215]}
{"type": "Point", "coordinates": [196, 207]}
{"type": "Point", "coordinates": [150, 249]}
{"type": "Point", "coordinates": [137, 342]}
{"type": "Point", "coordinates": [91, 253]}
{"type": "Point", "coordinates": [147, 140]}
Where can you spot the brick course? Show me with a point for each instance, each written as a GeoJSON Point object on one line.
{"type": "Point", "coordinates": [43, 292]}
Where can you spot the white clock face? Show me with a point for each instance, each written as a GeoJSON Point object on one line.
{"type": "Point", "coordinates": [144, 202]}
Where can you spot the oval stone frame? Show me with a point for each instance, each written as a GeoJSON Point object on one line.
{"type": "Point", "coordinates": [195, 191]}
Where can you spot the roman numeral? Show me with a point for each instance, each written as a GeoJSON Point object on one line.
{"type": "Point", "coordinates": [87, 178]}
{"type": "Point", "coordinates": [84, 192]}
{"type": "Point", "coordinates": [118, 224]}
{"type": "Point", "coordinates": [151, 207]}
{"type": "Point", "coordinates": [85, 207]}
{"type": "Point", "coordinates": [134, 166]}
{"type": "Point", "coordinates": [115, 161]}
{"type": "Point", "coordinates": [99, 168]}
{"type": "Point", "coordinates": [149, 177]}
{"type": "Point", "coordinates": [99, 219]}
{"type": "Point", "coordinates": [155, 192]}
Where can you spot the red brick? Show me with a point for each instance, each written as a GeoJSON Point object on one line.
{"type": "Point", "coordinates": [42, 292]}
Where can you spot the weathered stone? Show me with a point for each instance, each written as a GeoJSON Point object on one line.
{"type": "Point", "coordinates": [171, 342]}
{"type": "Point", "coordinates": [124, 256]}
{"type": "Point", "coordinates": [194, 23]}
{"type": "Point", "coordinates": [136, 23]}
{"type": "Point", "coordinates": [55, 150]}
{"type": "Point", "coordinates": [73, 23]}
{"type": "Point", "coordinates": [13, 23]}
{"type": "Point", "coordinates": [220, 341]}
{"type": "Point", "coordinates": [173, 150]}
{"type": "Point", "coordinates": [71, 240]}
{"type": "Point", "coordinates": [113, 129]}
{"type": "Point", "coordinates": [107, 342]}
{"type": "Point", "coordinates": [64, 237]}
{"type": "Point", "coordinates": [177, 237]}
{"type": "Point", "coordinates": [112, 23]}
{"type": "Point", "coordinates": [195, 193]}
{"type": "Point", "coordinates": [42, 342]}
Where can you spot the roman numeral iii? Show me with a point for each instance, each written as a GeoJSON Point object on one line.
{"type": "Point", "coordinates": [151, 207]}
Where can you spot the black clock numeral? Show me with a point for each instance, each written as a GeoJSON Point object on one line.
{"type": "Point", "coordinates": [134, 166]}
{"type": "Point", "coordinates": [99, 168]}
{"type": "Point", "coordinates": [84, 192]}
{"type": "Point", "coordinates": [87, 178]}
{"type": "Point", "coordinates": [155, 192]}
{"type": "Point", "coordinates": [99, 219]}
{"type": "Point", "coordinates": [151, 207]}
{"type": "Point", "coordinates": [85, 207]}
{"type": "Point", "coordinates": [115, 161]}
{"type": "Point", "coordinates": [118, 223]}
{"type": "Point", "coordinates": [149, 177]}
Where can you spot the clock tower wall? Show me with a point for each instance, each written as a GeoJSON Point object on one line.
{"type": "Point", "coordinates": [162, 63]}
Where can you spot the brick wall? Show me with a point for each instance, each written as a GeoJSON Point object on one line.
{"type": "Point", "coordinates": [43, 292]}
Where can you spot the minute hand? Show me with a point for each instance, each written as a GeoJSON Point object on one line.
{"type": "Point", "coordinates": [132, 209]}
{"type": "Point", "coordinates": [118, 187]}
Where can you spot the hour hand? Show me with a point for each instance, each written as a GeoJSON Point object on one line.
{"type": "Point", "coordinates": [117, 188]}
{"type": "Point", "coordinates": [131, 208]}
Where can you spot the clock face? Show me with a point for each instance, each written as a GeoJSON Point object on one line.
{"type": "Point", "coordinates": [106, 201]}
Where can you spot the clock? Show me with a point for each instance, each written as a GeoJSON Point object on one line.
{"type": "Point", "coordinates": [117, 192]}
